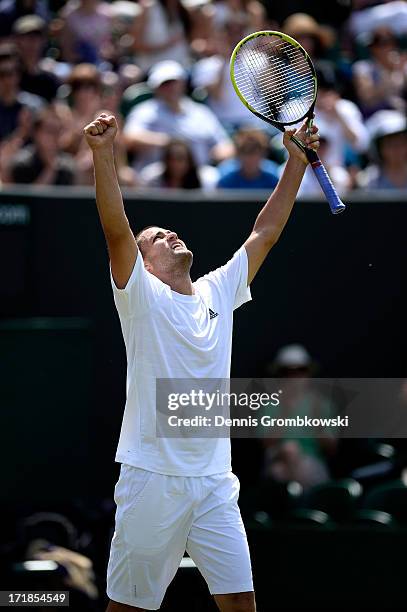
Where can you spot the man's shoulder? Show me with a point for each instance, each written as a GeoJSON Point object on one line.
{"type": "Point", "coordinates": [144, 110]}
{"type": "Point", "coordinates": [231, 178]}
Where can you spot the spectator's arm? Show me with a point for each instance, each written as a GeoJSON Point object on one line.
{"type": "Point", "coordinates": [140, 138]}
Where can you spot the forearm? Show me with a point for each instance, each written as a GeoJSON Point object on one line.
{"type": "Point", "coordinates": [145, 139]}
{"type": "Point", "coordinates": [274, 215]}
{"type": "Point", "coordinates": [109, 199]}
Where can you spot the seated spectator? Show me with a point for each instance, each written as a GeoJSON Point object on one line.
{"type": "Point", "coordinates": [202, 24]}
{"type": "Point", "coordinates": [212, 75]}
{"type": "Point", "coordinates": [178, 170]}
{"type": "Point", "coordinates": [316, 39]}
{"type": "Point", "coordinates": [381, 81]}
{"type": "Point", "coordinates": [12, 98]}
{"type": "Point", "coordinates": [124, 18]}
{"type": "Point", "coordinates": [170, 113]}
{"type": "Point", "coordinates": [252, 170]}
{"type": "Point", "coordinates": [338, 117]}
{"type": "Point", "coordinates": [43, 162]}
{"type": "Point", "coordinates": [339, 176]}
{"type": "Point", "coordinates": [290, 457]}
{"type": "Point", "coordinates": [30, 38]}
{"type": "Point", "coordinates": [159, 33]}
{"type": "Point", "coordinates": [16, 106]}
{"type": "Point", "coordinates": [86, 37]}
{"type": "Point", "coordinates": [388, 133]}
{"type": "Point", "coordinates": [11, 10]}
{"type": "Point", "coordinates": [85, 100]}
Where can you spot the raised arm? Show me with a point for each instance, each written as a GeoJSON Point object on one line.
{"type": "Point", "coordinates": [100, 135]}
{"type": "Point", "coordinates": [274, 215]}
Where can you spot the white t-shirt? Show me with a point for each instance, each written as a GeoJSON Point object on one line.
{"type": "Point", "coordinates": [170, 335]}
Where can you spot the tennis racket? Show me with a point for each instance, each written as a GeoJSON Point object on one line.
{"type": "Point", "coordinates": [275, 79]}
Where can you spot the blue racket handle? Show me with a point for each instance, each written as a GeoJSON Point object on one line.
{"type": "Point", "coordinates": [335, 203]}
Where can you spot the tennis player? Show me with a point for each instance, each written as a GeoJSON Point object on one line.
{"type": "Point", "coordinates": [175, 494]}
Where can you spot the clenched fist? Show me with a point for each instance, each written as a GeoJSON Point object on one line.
{"type": "Point", "coordinates": [101, 132]}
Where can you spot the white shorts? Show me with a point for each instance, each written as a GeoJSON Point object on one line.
{"type": "Point", "coordinates": [158, 517]}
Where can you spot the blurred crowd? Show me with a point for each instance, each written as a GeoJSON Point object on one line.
{"type": "Point", "coordinates": [162, 67]}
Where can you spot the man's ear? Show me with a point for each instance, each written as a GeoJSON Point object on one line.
{"type": "Point", "coordinates": [148, 267]}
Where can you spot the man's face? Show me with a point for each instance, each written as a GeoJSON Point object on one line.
{"type": "Point", "coordinates": [30, 44]}
{"type": "Point", "coordinates": [47, 136]}
{"type": "Point", "coordinates": [171, 91]}
{"type": "Point", "coordinates": [163, 252]}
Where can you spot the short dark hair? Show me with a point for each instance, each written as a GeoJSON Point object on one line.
{"type": "Point", "coordinates": [138, 236]}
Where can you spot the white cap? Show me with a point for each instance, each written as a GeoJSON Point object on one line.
{"type": "Point", "coordinates": [123, 9]}
{"type": "Point", "coordinates": [293, 356]}
{"type": "Point", "coordinates": [168, 70]}
{"type": "Point", "coordinates": [386, 122]}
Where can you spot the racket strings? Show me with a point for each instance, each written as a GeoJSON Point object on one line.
{"type": "Point", "coordinates": [275, 78]}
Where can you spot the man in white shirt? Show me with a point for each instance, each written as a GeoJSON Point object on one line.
{"type": "Point", "coordinates": [177, 494]}
{"type": "Point", "coordinates": [170, 113]}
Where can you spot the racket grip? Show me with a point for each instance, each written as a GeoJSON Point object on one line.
{"type": "Point", "coordinates": [334, 201]}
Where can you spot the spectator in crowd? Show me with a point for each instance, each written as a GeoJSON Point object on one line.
{"type": "Point", "coordinates": [92, 91]}
{"type": "Point", "coordinates": [124, 17]}
{"type": "Point", "coordinates": [368, 15]}
{"type": "Point", "coordinates": [338, 117]}
{"type": "Point", "coordinates": [202, 24]}
{"type": "Point", "coordinates": [291, 457]}
{"type": "Point", "coordinates": [250, 14]}
{"type": "Point", "coordinates": [160, 33]}
{"type": "Point", "coordinates": [85, 100]}
{"type": "Point", "coordinates": [16, 106]}
{"type": "Point", "coordinates": [170, 113]}
{"type": "Point", "coordinates": [339, 175]}
{"type": "Point", "coordinates": [48, 536]}
{"type": "Point", "coordinates": [43, 162]}
{"type": "Point", "coordinates": [212, 75]}
{"type": "Point", "coordinates": [11, 10]}
{"type": "Point", "coordinates": [251, 169]}
{"type": "Point", "coordinates": [178, 170]}
{"type": "Point", "coordinates": [388, 133]}
{"type": "Point", "coordinates": [86, 36]}
{"type": "Point", "coordinates": [110, 98]}
{"type": "Point", "coordinates": [30, 37]}
{"type": "Point", "coordinates": [381, 81]}
{"type": "Point", "coordinates": [315, 38]}
{"type": "Point", "coordinates": [12, 99]}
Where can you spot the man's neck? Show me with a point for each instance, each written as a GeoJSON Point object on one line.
{"type": "Point", "coordinates": [250, 173]}
{"type": "Point", "coordinates": [173, 105]}
{"type": "Point", "coordinates": [181, 283]}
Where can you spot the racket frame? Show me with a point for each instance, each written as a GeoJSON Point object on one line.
{"type": "Point", "coordinates": [310, 154]}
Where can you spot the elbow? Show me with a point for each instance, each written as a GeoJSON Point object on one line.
{"type": "Point", "coordinates": [270, 238]}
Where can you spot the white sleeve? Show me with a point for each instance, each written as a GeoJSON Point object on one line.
{"type": "Point", "coordinates": [141, 117]}
{"type": "Point", "coordinates": [215, 129]}
{"type": "Point", "coordinates": [140, 293]}
{"type": "Point", "coordinates": [353, 117]}
{"type": "Point", "coordinates": [231, 279]}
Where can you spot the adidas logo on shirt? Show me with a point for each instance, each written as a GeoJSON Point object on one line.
{"type": "Point", "coordinates": [212, 314]}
